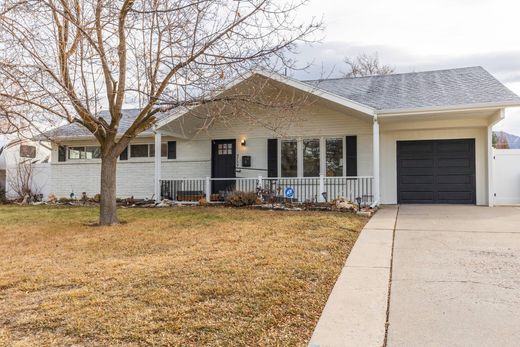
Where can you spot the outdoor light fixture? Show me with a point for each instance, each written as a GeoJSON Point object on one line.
{"type": "Point", "coordinates": [243, 142]}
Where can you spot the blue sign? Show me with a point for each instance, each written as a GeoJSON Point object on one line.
{"type": "Point", "coordinates": [289, 192]}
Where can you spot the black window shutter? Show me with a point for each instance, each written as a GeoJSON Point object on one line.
{"type": "Point", "coordinates": [351, 155]}
{"type": "Point", "coordinates": [272, 157]}
{"type": "Point", "coordinates": [124, 154]}
{"type": "Point", "coordinates": [62, 153]}
{"type": "Point", "coordinates": [172, 149]}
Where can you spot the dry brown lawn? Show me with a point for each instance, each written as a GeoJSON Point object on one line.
{"type": "Point", "coordinates": [187, 276]}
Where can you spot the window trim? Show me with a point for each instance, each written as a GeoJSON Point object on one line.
{"type": "Point", "coordinates": [323, 160]}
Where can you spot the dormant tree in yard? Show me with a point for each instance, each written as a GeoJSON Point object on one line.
{"type": "Point", "coordinates": [366, 65]}
{"type": "Point", "coordinates": [69, 59]}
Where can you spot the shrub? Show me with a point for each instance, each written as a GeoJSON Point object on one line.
{"type": "Point", "coordinates": [239, 199]}
{"type": "Point", "coordinates": [2, 195]}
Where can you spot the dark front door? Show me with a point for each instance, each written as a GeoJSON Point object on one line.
{"type": "Point", "coordinates": [223, 164]}
{"type": "Point", "coordinates": [436, 172]}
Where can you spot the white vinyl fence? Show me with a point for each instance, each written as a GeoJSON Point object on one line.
{"type": "Point", "coordinates": [507, 176]}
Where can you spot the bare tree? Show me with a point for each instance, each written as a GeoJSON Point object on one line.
{"type": "Point", "coordinates": [21, 180]}
{"type": "Point", "coordinates": [367, 65]}
{"type": "Point", "coordinates": [68, 59]}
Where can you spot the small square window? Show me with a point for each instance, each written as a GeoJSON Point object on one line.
{"type": "Point", "coordinates": [27, 151]}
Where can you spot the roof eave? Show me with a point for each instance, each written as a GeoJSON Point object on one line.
{"type": "Point", "coordinates": [445, 109]}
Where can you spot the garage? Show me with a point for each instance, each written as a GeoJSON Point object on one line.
{"type": "Point", "coordinates": [436, 172]}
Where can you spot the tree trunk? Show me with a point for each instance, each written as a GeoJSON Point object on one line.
{"type": "Point", "coordinates": [108, 209]}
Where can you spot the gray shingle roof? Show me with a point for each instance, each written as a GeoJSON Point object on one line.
{"type": "Point", "coordinates": [76, 129]}
{"type": "Point", "coordinates": [441, 88]}
{"type": "Point", "coordinates": [463, 86]}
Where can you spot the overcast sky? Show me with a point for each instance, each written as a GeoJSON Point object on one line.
{"type": "Point", "coordinates": [421, 35]}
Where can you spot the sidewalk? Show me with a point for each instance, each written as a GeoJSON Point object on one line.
{"type": "Point", "coordinates": [355, 313]}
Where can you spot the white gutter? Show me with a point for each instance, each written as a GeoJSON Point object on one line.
{"type": "Point", "coordinates": [452, 108]}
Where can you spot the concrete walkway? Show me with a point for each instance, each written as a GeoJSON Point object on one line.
{"type": "Point", "coordinates": [355, 313]}
{"type": "Point", "coordinates": [455, 277]}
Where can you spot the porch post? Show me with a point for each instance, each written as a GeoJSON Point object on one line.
{"type": "Point", "coordinates": [157, 170]}
{"type": "Point", "coordinates": [375, 158]}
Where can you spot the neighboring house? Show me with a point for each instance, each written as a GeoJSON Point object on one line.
{"type": "Point", "coordinates": [422, 137]}
{"type": "Point", "coordinates": [15, 153]}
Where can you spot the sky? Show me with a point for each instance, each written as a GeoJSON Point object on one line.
{"type": "Point", "coordinates": [417, 36]}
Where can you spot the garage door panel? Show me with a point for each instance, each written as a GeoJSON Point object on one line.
{"type": "Point", "coordinates": [418, 196]}
{"type": "Point", "coordinates": [421, 171]}
{"type": "Point", "coordinates": [453, 187]}
{"type": "Point", "coordinates": [418, 188]}
{"type": "Point", "coordinates": [417, 163]}
{"type": "Point", "coordinates": [454, 171]}
{"type": "Point", "coordinates": [461, 197]}
{"type": "Point", "coordinates": [454, 162]}
{"type": "Point", "coordinates": [454, 179]}
{"type": "Point", "coordinates": [418, 179]}
{"type": "Point", "coordinates": [408, 148]}
{"type": "Point", "coordinates": [436, 171]}
{"type": "Point", "coordinates": [455, 146]}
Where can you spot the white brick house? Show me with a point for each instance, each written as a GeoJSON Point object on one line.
{"type": "Point", "coordinates": [421, 137]}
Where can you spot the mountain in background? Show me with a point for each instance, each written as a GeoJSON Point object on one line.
{"type": "Point", "coordinates": [501, 139]}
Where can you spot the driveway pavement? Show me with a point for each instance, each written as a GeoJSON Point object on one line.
{"type": "Point", "coordinates": [455, 277]}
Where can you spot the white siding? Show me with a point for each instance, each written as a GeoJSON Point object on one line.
{"type": "Point", "coordinates": [389, 156]}
{"type": "Point", "coordinates": [135, 177]}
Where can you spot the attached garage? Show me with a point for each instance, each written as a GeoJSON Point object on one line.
{"type": "Point", "coordinates": [436, 171]}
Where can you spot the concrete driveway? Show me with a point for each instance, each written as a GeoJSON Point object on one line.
{"type": "Point", "coordinates": [455, 277]}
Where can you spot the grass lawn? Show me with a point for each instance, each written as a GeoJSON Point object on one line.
{"type": "Point", "coordinates": [185, 276]}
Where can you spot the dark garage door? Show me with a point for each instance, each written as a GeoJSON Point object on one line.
{"type": "Point", "coordinates": [436, 172]}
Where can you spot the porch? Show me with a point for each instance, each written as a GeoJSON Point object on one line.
{"type": "Point", "coordinates": [358, 189]}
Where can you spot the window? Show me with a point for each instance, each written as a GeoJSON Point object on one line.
{"type": "Point", "coordinates": [311, 158]}
{"type": "Point", "coordinates": [88, 152]}
{"type": "Point", "coordinates": [164, 150]}
{"type": "Point", "coordinates": [139, 151]}
{"type": "Point", "coordinates": [27, 151]}
{"type": "Point", "coordinates": [225, 148]}
{"type": "Point", "coordinates": [147, 150]}
{"type": "Point", "coordinates": [334, 157]}
{"type": "Point", "coordinates": [93, 152]}
{"type": "Point", "coordinates": [289, 158]}
{"type": "Point", "coordinates": [76, 153]}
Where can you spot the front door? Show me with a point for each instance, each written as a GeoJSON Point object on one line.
{"type": "Point", "coordinates": [223, 164]}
